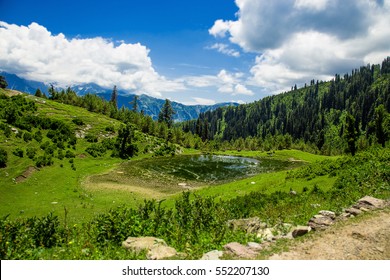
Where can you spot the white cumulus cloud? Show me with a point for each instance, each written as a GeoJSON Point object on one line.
{"type": "Point", "coordinates": [225, 49]}
{"type": "Point", "coordinates": [34, 53]}
{"type": "Point", "coordinates": [225, 82]}
{"type": "Point", "coordinates": [296, 41]}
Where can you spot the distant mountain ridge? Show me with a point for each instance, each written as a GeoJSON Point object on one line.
{"type": "Point", "coordinates": [149, 105]}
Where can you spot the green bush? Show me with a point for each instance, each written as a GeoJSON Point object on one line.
{"type": "Point", "coordinates": [45, 160]}
{"type": "Point", "coordinates": [18, 152]}
{"type": "Point", "coordinates": [91, 138]}
{"type": "Point", "coordinates": [78, 121]}
{"type": "Point", "coordinates": [69, 154]}
{"type": "Point", "coordinates": [31, 152]}
{"type": "Point", "coordinates": [96, 150]}
{"type": "Point", "coordinates": [3, 158]}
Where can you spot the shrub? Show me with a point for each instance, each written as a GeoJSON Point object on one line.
{"type": "Point", "coordinates": [38, 136]}
{"type": "Point", "coordinates": [78, 121]}
{"type": "Point", "coordinates": [45, 160]}
{"type": "Point", "coordinates": [7, 131]}
{"type": "Point", "coordinates": [27, 137]}
{"type": "Point", "coordinates": [18, 152]}
{"type": "Point", "coordinates": [31, 152]}
{"type": "Point", "coordinates": [69, 154]}
{"type": "Point", "coordinates": [3, 158]}
{"type": "Point", "coordinates": [110, 128]}
{"type": "Point", "coordinates": [96, 150]}
{"type": "Point", "coordinates": [91, 138]}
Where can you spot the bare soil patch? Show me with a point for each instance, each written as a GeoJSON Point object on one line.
{"type": "Point", "coordinates": [27, 173]}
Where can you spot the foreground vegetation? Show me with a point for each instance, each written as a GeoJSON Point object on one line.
{"type": "Point", "coordinates": [197, 222]}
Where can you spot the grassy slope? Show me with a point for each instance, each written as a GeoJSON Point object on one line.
{"type": "Point", "coordinates": [53, 188]}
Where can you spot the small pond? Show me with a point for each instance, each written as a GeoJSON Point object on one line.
{"type": "Point", "coordinates": [168, 175]}
{"type": "Point", "coordinates": [209, 168]}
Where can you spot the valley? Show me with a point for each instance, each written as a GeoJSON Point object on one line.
{"type": "Point", "coordinates": [80, 175]}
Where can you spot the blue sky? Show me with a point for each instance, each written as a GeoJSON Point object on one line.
{"type": "Point", "coordinates": [194, 52]}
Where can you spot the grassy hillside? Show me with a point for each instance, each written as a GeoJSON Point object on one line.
{"type": "Point", "coordinates": [27, 191]}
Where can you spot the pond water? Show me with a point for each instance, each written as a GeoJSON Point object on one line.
{"type": "Point", "coordinates": [204, 168]}
{"type": "Point", "coordinates": [167, 175]}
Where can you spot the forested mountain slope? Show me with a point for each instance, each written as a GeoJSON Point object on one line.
{"type": "Point", "coordinates": [316, 113]}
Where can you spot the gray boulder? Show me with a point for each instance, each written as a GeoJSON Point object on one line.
{"type": "Point", "coordinates": [371, 203]}
{"type": "Point", "coordinates": [300, 230]}
{"type": "Point", "coordinates": [240, 251]}
{"type": "Point", "coordinates": [212, 255]}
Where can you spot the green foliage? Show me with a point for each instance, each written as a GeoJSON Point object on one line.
{"type": "Point", "coordinates": [31, 152]}
{"type": "Point", "coordinates": [69, 154]}
{"type": "Point", "coordinates": [20, 237]}
{"type": "Point", "coordinates": [110, 128]}
{"type": "Point", "coordinates": [3, 157]}
{"type": "Point", "coordinates": [126, 148]}
{"type": "Point", "coordinates": [314, 115]}
{"type": "Point", "coordinates": [165, 149]}
{"type": "Point", "coordinates": [27, 137]}
{"type": "Point", "coordinates": [78, 121]}
{"type": "Point", "coordinates": [7, 131]}
{"type": "Point", "coordinates": [91, 138]}
{"type": "Point", "coordinates": [382, 123]}
{"type": "Point", "coordinates": [44, 160]}
{"type": "Point", "coordinates": [197, 224]}
{"type": "Point", "coordinates": [18, 152]}
{"type": "Point", "coordinates": [38, 93]}
{"type": "Point", "coordinates": [96, 150]}
{"type": "Point", "coordinates": [38, 136]}
{"type": "Point", "coordinates": [166, 114]}
{"type": "Point", "coordinates": [3, 82]}
{"type": "Point", "coordinates": [350, 134]}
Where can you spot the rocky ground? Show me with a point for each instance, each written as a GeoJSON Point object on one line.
{"type": "Point", "coordinates": [361, 232]}
{"type": "Point", "coordinates": [361, 238]}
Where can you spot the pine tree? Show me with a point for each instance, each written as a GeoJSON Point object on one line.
{"type": "Point", "coordinates": [114, 97]}
{"type": "Point", "coordinates": [38, 93]}
{"type": "Point", "coordinates": [135, 103]}
{"type": "Point", "coordinates": [380, 116]}
{"type": "Point", "coordinates": [125, 139]}
{"type": "Point", "coordinates": [3, 82]}
{"type": "Point", "coordinates": [166, 114]}
{"type": "Point", "coordinates": [350, 133]}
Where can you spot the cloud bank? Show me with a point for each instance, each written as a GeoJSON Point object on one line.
{"type": "Point", "coordinates": [34, 53]}
{"type": "Point", "coordinates": [296, 41]}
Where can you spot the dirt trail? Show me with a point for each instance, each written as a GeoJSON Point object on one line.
{"type": "Point", "coordinates": [362, 238]}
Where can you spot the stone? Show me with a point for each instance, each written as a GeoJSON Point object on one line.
{"type": "Point", "coordinates": [353, 211]}
{"type": "Point", "coordinates": [293, 193]}
{"type": "Point", "coordinates": [300, 230]}
{"type": "Point", "coordinates": [288, 236]}
{"type": "Point", "coordinates": [345, 216]}
{"type": "Point", "coordinates": [327, 213]}
{"type": "Point", "coordinates": [240, 251]}
{"type": "Point", "coordinates": [139, 244]}
{"type": "Point", "coordinates": [319, 222]}
{"type": "Point", "coordinates": [212, 255]}
{"type": "Point", "coordinates": [371, 202]}
{"type": "Point", "coordinates": [254, 246]}
{"type": "Point", "coordinates": [265, 234]}
{"type": "Point", "coordinates": [364, 209]}
{"type": "Point", "coordinates": [161, 252]}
